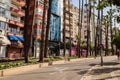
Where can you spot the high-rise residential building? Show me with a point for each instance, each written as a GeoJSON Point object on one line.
{"type": "Point", "coordinates": [68, 21]}
{"type": "Point", "coordinates": [11, 23]}
{"type": "Point", "coordinates": [75, 21]}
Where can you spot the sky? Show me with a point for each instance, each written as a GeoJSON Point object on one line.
{"type": "Point", "coordinates": [76, 3]}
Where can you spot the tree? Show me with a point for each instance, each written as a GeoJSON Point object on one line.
{"type": "Point", "coordinates": [116, 40]}
{"type": "Point", "coordinates": [64, 27]}
{"type": "Point", "coordinates": [47, 29]}
{"type": "Point", "coordinates": [41, 56]}
{"type": "Point", "coordinates": [26, 44]}
{"type": "Point", "coordinates": [106, 23]}
{"type": "Point", "coordinates": [70, 28]}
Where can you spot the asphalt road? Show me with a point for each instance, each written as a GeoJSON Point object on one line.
{"type": "Point", "coordinates": [67, 71]}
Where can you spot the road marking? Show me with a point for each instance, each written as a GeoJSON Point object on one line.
{"type": "Point", "coordinates": [59, 70]}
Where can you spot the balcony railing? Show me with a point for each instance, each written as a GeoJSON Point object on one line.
{"type": "Point", "coordinates": [17, 21]}
{"type": "Point", "coordinates": [17, 12]}
{"type": "Point", "coordinates": [20, 3]}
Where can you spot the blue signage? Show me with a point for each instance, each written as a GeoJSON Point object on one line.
{"type": "Point", "coordinates": [55, 28]}
{"type": "Point", "coordinates": [55, 22]}
{"type": "Point", "coordinates": [55, 8]}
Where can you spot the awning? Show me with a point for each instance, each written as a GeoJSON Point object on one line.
{"type": "Point", "coordinates": [20, 38]}
{"type": "Point", "coordinates": [13, 38]}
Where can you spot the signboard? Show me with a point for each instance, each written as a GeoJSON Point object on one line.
{"type": "Point", "coordinates": [56, 7]}
{"type": "Point", "coordinates": [55, 22]}
{"type": "Point", "coordinates": [55, 28]}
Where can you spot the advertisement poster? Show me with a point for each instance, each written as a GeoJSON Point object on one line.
{"type": "Point", "coordinates": [55, 28]}
{"type": "Point", "coordinates": [55, 22]}
{"type": "Point", "coordinates": [56, 7]}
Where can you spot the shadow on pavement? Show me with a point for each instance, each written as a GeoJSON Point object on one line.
{"type": "Point", "coordinates": [92, 64]}
{"type": "Point", "coordinates": [108, 78]}
{"type": "Point", "coordinates": [82, 72]}
{"type": "Point", "coordinates": [103, 71]}
{"type": "Point", "coordinates": [111, 64]}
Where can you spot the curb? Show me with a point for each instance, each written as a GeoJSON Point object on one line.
{"type": "Point", "coordinates": [22, 69]}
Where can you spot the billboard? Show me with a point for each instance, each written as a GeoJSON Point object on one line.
{"type": "Point", "coordinates": [56, 7]}
{"type": "Point", "coordinates": [55, 28]}
{"type": "Point", "coordinates": [55, 22]}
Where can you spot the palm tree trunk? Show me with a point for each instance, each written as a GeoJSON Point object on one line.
{"type": "Point", "coordinates": [79, 31]}
{"type": "Point", "coordinates": [88, 28]}
{"type": "Point", "coordinates": [64, 28]}
{"type": "Point", "coordinates": [47, 30]}
{"type": "Point", "coordinates": [81, 24]}
{"type": "Point", "coordinates": [41, 56]}
{"type": "Point", "coordinates": [111, 31]}
{"type": "Point", "coordinates": [26, 45]}
{"type": "Point", "coordinates": [69, 27]}
{"type": "Point", "coordinates": [106, 41]}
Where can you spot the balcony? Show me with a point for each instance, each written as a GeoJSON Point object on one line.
{"type": "Point", "coordinates": [16, 21]}
{"type": "Point", "coordinates": [19, 3]}
{"type": "Point", "coordinates": [17, 12]}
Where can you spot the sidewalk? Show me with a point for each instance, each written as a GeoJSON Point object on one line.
{"type": "Point", "coordinates": [110, 71]}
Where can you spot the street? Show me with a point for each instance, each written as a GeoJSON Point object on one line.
{"type": "Point", "coordinates": [67, 71]}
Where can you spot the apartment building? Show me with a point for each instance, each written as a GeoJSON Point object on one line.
{"type": "Point", "coordinates": [68, 21]}
{"type": "Point", "coordinates": [75, 20]}
{"type": "Point", "coordinates": [11, 24]}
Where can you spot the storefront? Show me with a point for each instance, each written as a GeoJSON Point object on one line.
{"type": "Point", "coordinates": [15, 50]}
{"type": "Point", "coordinates": [4, 42]}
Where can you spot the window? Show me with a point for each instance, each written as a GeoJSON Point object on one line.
{"type": "Point", "coordinates": [39, 11]}
{"type": "Point", "coordinates": [40, 3]}
{"type": "Point", "coordinates": [13, 30]}
{"type": "Point", "coordinates": [4, 12]}
{"type": "Point", "coordinates": [38, 31]}
{"type": "Point", "coordinates": [2, 25]}
{"type": "Point", "coordinates": [39, 21]}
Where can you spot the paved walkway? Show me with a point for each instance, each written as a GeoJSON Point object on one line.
{"type": "Point", "coordinates": [110, 71]}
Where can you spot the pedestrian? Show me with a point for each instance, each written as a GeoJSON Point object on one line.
{"type": "Point", "coordinates": [118, 55]}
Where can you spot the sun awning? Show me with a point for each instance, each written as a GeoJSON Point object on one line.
{"type": "Point", "coordinates": [20, 38]}
{"type": "Point", "coordinates": [13, 38]}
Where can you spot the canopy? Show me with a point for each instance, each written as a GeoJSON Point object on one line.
{"type": "Point", "coordinates": [20, 38]}
{"type": "Point", "coordinates": [13, 38]}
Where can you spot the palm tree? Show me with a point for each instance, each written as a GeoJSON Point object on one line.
{"type": "Point", "coordinates": [81, 25]}
{"type": "Point", "coordinates": [106, 22]}
{"type": "Point", "coordinates": [69, 27]}
{"type": "Point", "coordinates": [26, 45]}
{"type": "Point", "coordinates": [88, 26]}
{"type": "Point", "coordinates": [64, 27]}
{"type": "Point", "coordinates": [47, 29]}
{"type": "Point", "coordinates": [79, 32]}
{"type": "Point", "coordinates": [93, 2]}
{"type": "Point", "coordinates": [41, 55]}
{"type": "Point", "coordinates": [111, 30]}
